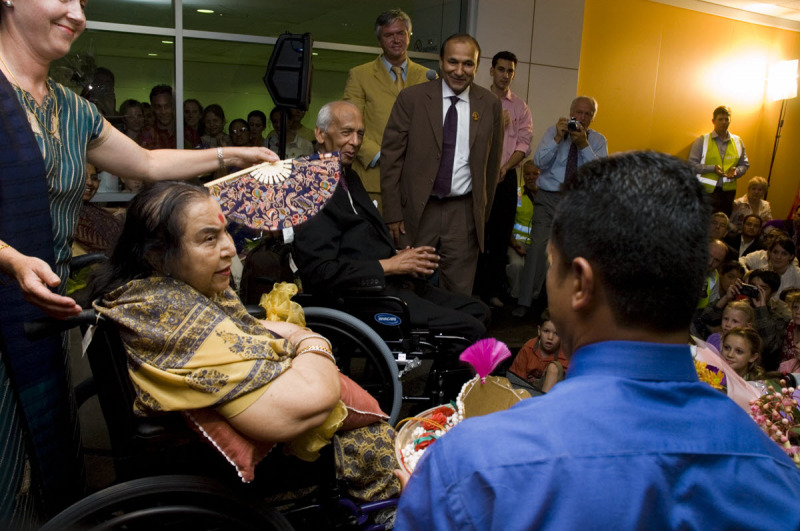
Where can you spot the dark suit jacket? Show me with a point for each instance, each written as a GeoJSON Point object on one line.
{"type": "Point", "coordinates": [412, 146]}
{"type": "Point", "coordinates": [736, 241]}
{"type": "Point", "coordinates": [339, 249]}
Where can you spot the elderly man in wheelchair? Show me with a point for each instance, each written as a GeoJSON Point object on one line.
{"type": "Point", "coordinates": [347, 250]}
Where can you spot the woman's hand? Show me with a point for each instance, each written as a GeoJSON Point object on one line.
{"type": "Point", "coordinates": [731, 294]}
{"type": "Point", "coordinates": [34, 276]}
{"type": "Point", "coordinates": [244, 157]}
{"type": "Point", "coordinates": [761, 300]}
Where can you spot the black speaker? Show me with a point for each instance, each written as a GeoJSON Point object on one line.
{"type": "Point", "coordinates": [288, 77]}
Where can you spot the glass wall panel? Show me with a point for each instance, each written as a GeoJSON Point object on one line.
{"type": "Point", "coordinates": [138, 63]}
{"type": "Point", "coordinates": [157, 13]}
{"type": "Point", "coordinates": [350, 22]}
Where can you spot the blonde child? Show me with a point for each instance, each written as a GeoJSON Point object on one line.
{"type": "Point", "coordinates": [790, 357]}
{"type": "Point", "coordinates": [736, 314]}
{"type": "Point", "coordinates": [741, 348]}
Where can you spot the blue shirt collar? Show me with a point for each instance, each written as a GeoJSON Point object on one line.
{"type": "Point", "coordinates": [634, 360]}
{"type": "Point", "coordinates": [388, 65]}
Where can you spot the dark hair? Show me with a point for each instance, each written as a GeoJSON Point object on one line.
{"type": "Point", "coordinates": [460, 37]}
{"type": "Point", "coordinates": [127, 104]}
{"type": "Point", "coordinates": [748, 216]}
{"type": "Point", "coordinates": [258, 114]}
{"type": "Point", "coordinates": [731, 265]}
{"type": "Point", "coordinates": [388, 17]}
{"type": "Point", "coordinates": [160, 89]}
{"type": "Point", "coordinates": [545, 316]}
{"type": "Point", "coordinates": [151, 237]}
{"type": "Point", "coordinates": [230, 125]}
{"type": "Point", "coordinates": [770, 278]}
{"type": "Point", "coordinates": [657, 284]}
{"type": "Point", "coordinates": [785, 242]}
{"type": "Point", "coordinates": [214, 109]}
{"type": "Point", "coordinates": [508, 56]}
{"type": "Point", "coordinates": [722, 109]}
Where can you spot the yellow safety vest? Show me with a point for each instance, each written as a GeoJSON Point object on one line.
{"type": "Point", "coordinates": [711, 157]}
{"type": "Point", "coordinates": [523, 217]}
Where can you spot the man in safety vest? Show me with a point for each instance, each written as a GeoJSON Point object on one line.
{"type": "Point", "coordinates": [719, 159]}
{"type": "Point", "coordinates": [521, 233]}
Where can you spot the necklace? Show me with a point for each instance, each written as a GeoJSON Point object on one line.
{"type": "Point", "coordinates": [26, 98]}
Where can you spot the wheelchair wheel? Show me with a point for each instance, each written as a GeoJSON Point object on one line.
{"type": "Point", "coordinates": [167, 503]}
{"type": "Point", "coordinates": [362, 355]}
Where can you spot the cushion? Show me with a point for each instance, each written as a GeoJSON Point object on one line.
{"type": "Point", "coordinates": [240, 451]}
{"type": "Point", "coordinates": [362, 408]}
{"type": "Point", "coordinates": [245, 453]}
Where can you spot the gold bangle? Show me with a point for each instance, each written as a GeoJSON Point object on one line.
{"type": "Point", "coordinates": [318, 350]}
{"type": "Point", "coordinates": [315, 336]}
{"type": "Point", "coordinates": [5, 246]}
{"type": "Point", "coordinates": [221, 159]}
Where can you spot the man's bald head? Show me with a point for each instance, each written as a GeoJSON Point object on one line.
{"type": "Point", "coordinates": [340, 127]}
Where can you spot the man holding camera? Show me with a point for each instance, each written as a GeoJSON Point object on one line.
{"type": "Point", "coordinates": [563, 148]}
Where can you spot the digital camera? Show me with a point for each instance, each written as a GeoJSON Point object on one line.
{"type": "Point", "coordinates": [573, 125]}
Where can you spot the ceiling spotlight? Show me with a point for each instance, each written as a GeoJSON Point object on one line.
{"type": "Point", "coordinates": [206, 11]}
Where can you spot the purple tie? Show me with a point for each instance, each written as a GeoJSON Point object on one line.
{"type": "Point", "coordinates": [572, 162]}
{"type": "Point", "coordinates": [444, 177]}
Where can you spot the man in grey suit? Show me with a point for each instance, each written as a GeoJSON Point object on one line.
{"type": "Point", "coordinates": [440, 161]}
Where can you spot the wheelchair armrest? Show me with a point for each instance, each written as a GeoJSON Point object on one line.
{"type": "Point", "coordinates": [49, 326]}
{"type": "Point", "coordinates": [168, 426]}
{"type": "Point", "coordinates": [256, 311]}
{"type": "Point", "coordinates": [84, 260]}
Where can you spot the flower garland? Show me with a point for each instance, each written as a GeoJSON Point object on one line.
{"type": "Point", "coordinates": [777, 414]}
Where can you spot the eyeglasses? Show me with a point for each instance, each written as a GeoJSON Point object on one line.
{"type": "Point", "coordinates": [240, 130]}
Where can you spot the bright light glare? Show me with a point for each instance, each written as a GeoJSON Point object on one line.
{"type": "Point", "coordinates": [206, 11]}
{"type": "Point", "coordinates": [782, 81]}
{"type": "Point", "coordinates": [764, 9]}
{"type": "Point", "coordinates": [739, 79]}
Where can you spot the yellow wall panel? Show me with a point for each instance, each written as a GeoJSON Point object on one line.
{"type": "Point", "coordinates": [658, 72]}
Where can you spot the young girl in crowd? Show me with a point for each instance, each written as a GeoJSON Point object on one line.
{"type": "Point", "coordinates": [790, 355]}
{"type": "Point", "coordinates": [736, 314]}
{"type": "Point", "coordinates": [741, 348]}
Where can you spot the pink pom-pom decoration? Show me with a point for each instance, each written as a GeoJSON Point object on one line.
{"type": "Point", "coordinates": [485, 355]}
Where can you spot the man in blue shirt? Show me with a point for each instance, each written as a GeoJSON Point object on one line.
{"type": "Point", "coordinates": [563, 149]}
{"type": "Point", "coordinates": [630, 439]}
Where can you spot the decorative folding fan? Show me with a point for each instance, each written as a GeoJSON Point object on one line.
{"type": "Point", "coordinates": [276, 195]}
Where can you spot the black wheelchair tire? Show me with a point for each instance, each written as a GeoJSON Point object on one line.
{"type": "Point", "coordinates": [167, 502]}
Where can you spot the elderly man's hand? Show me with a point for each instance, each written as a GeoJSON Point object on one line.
{"type": "Point", "coordinates": [579, 138]}
{"type": "Point", "coordinates": [417, 262]}
{"type": "Point", "coordinates": [561, 129]}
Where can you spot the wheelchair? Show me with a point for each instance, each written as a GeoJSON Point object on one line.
{"type": "Point", "coordinates": [389, 318]}
{"type": "Point", "coordinates": [156, 458]}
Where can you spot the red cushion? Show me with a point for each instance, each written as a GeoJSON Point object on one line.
{"type": "Point", "coordinates": [362, 408]}
{"type": "Point", "coordinates": [240, 451]}
{"type": "Point", "coordinates": [245, 453]}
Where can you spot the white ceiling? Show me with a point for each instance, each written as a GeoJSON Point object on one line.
{"type": "Point", "coordinates": [786, 9]}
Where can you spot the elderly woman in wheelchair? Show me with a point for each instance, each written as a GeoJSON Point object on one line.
{"type": "Point", "coordinates": [192, 345]}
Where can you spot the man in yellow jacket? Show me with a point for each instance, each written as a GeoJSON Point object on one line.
{"type": "Point", "coordinates": [719, 159]}
{"type": "Point", "coordinates": [373, 87]}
